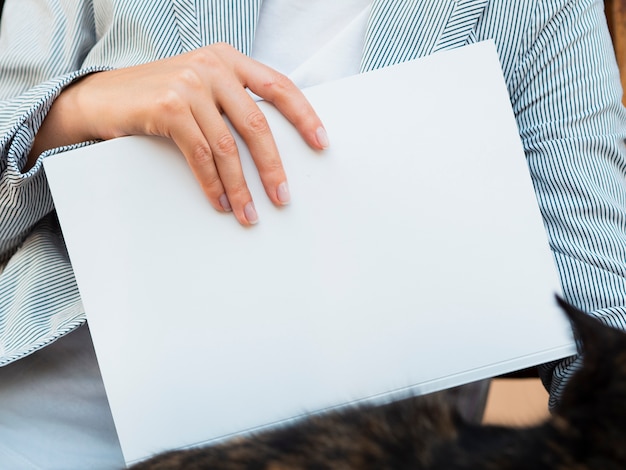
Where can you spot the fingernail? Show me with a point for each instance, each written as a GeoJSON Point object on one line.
{"type": "Point", "coordinates": [322, 137]}
{"type": "Point", "coordinates": [250, 213]}
{"type": "Point", "coordinates": [225, 203]}
{"type": "Point", "coordinates": [282, 192]}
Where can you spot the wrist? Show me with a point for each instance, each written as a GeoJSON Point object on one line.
{"type": "Point", "coordinates": [67, 122]}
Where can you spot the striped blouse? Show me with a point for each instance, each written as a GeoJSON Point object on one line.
{"type": "Point", "coordinates": [559, 68]}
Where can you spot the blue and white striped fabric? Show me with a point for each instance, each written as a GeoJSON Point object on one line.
{"type": "Point", "coordinates": [558, 64]}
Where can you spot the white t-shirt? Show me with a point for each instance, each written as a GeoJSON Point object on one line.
{"type": "Point", "coordinates": [302, 40]}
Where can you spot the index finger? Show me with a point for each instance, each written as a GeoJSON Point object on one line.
{"type": "Point", "coordinates": [279, 90]}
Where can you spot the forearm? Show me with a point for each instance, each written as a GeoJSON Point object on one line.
{"type": "Point", "coordinates": [568, 107]}
{"type": "Point", "coordinates": [35, 67]}
{"type": "Point", "coordinates": [24, 193]}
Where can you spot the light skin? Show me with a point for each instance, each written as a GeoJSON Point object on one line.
{"type": "Point", "coordinates": [183, 98]}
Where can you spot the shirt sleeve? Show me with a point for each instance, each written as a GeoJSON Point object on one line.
{"type": "Point", "coordinates": [567, 100]}
{"type": "Point", "coordinates": [42, 44]}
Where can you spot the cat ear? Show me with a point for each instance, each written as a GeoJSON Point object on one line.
{"type": "Point", "coordinates": [587, 329]}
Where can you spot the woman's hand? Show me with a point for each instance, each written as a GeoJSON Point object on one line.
{"type": "Point", "coordinates": [183, 98]}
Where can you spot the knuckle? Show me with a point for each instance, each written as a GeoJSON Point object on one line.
{"type": "Point", "coordinates": [180, 86]}
{"type": "Point", "coordinates": [207, 59]}
{"type": "Point", "coordinates": [270, 167]}
{"type": "Point", "coordinates": [201, 155]}
{"type": "Point", "coordinates": [256, 123]}
{"type": "Point", "coordinates": [170, 102]}
{"type": "Point", "coordinates": [226, 145]}
{"type": "Point", "coordinates": [211, 184]}
{"type": "Point", "coordinates": [213, 57]}
{"type": "Point", "coordinates": [300, 117]}
{"type": "Point", "coordinates": [189, 78]}
{"type": "Point", "coordinates": [273, 166]}
{"type": "Point", "coordinates": [279, 82]}
{"type": "Point", "coordinates": [237, 191]}
{"type": "Point", "coordinates": [222, 47]}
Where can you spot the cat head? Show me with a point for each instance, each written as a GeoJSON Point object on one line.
{"type": "Point", "coordinates": [594, 400]}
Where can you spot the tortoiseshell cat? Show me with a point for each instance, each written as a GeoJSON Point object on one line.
{"type": "Point", "coordinates": [587, 431]}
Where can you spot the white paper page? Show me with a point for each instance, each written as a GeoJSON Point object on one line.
{"type": "Point", "coordinates": [413, 255]}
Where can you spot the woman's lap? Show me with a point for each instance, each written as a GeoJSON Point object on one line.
{"type": "Point", "coordinates": [54, 412]}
